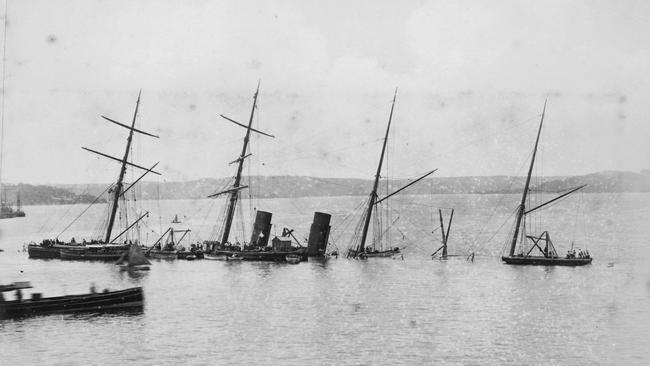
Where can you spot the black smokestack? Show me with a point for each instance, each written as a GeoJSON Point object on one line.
{"type": "Point", "coordinates": [318, 235]}
{"type": "Point", "coordinates": [261, 229]}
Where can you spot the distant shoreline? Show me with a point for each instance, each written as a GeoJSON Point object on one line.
{"type": "Point", "coordinates": [304, 187]}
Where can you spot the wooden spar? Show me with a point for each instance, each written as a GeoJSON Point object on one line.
{"type": "Point", "coordinates": [185, 232]}
{"type": "Point", "coordinates": [522, 205]}
{"type": "Point", "coordinates": [406, 186]}
{"type": "Point", "coordinates": [120, 160]}
{"type": "Point", "coordinates": [373, 193]}
{"type": "Point", "coordinates": [243, 125]}
{"type": "Point", "coordinates": [444, 237]}
{"type": "Point", "coordinates": [231, 190]}
{"type": "Point", "coordinates": [234, 195]}
{"type": "Point", "coordinates": [445, 233]}
{"type": "Point", "coordinates": [555, 199]}
{"type": "Point", "coordinates": [238, 159]}
{"type": "Point", "coordinates": [120, 179]}
{"type": "Point", "coordinates": [451, 217]}
{"type": "Point", "coordinates": [137, 180]}
{"type": "Point", "coordinates": [130, 226]}
{"type": "Point", "coordinates": [159, 239]}
{"type": "Point", "coordinates": [127, 127]}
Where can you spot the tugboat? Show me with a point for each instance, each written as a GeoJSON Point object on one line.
{"type": "Point", "coordinates": [547, 255]}
{"type": "Point", "coordinates": [108, 248]}
{"type": "Point", "coordinates": [361, 250]}
{"type": "Point", "coordinates": [131, 299]}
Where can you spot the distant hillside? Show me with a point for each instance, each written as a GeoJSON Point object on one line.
{"type": "Point", "coordinates": [44, 195]}
{"type": "Point", "coordinates": [299, 186]}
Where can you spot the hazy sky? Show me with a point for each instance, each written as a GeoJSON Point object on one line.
{"type": "Point", "coordinates": [472, 78]}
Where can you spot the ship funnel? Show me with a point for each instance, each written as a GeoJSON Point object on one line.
{"type": "Point", "coordinates": [261, 229]}
{"type": "Point", "coordinates": [318, 235]}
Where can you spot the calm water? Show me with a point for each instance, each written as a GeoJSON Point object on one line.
{"type": "Point", "coordinates": [379, 311]}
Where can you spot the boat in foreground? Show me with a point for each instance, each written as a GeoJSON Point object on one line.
{"type": "Point", "coordinates": [526, 243]}
{"type": "Point", "coordinates": [107, 301]}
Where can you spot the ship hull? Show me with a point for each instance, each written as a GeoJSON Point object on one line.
{"type": "Point", "coordinates": [110, 255]}
{"type": "Point", "coordinates": [378, 254]}
{"type": "Point", "coordinates": [270, 256]}
{"type": "Point", "coordinates": [129, 299]}
{"type": "Point", "coordinates": [544, 261]}
{"type": "Point", "coordinates": [37, 251]}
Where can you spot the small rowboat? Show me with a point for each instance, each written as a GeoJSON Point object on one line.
{"type": "Point", "coordinates": [292, 258]}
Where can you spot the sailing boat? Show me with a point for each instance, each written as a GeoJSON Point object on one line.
{"type": "Point", "coordinates": [176, 220]}
{"type": "Point", "coordinates": [547, 256]}
{"type": "Point", "coordinates": [107, 248]}
{"type": "Point", "coordinates": [360, 250]}
{"type": "Point", "coordinates": [133, 259]}
{"type": "Point", "coordinates": [6, 210]}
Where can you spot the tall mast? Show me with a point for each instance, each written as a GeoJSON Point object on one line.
{"type": "Point", "coordinates": [234, 195]}
{"type": "Point", "coordinates": [522, 205]}
{"type": "Point", "coordinates": [117, 192]}
{"type": "Point", "coordinates": [373, 194]}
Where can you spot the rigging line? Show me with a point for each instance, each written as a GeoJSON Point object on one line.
{"type": "Point", "coordinates": [84, 211]}
{"type": "Point", "coordinates": [60, 217]}
{"type": "Point", "coordinates": [340, 231]}
{"type": "Point", "coordinates": [470, 143]}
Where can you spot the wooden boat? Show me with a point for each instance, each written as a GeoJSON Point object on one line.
{"type": "Point", "coordinates": [131, 299]}
{"type": "Point", "coordinates": [546, 256]}
{"type": "Point", "coordinates": [71, 250]}
{"type": "Point", "coordinates": [293, 258]}
{"type": "Point", "coordinates": [360, 250]}
{"type": "Point", "coordinates": [94, 252]}
{"type": "Point", "coordinates": [133, 260]}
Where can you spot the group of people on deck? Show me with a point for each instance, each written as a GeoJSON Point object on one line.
{"type": "Point", "coordinates": [582, 254]}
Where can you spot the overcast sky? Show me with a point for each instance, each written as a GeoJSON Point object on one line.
{"type": "Point", "coordinates": [472, 78]}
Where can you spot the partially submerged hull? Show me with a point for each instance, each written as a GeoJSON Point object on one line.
{"type": "Point", "coordinates": [261, 256]}
{"type": "Point", "coordinates": [374, 254]}
{"type": "Point", "coordinates": [157, 254]}
{"type": "Point", "coordinates": [129, 299]}
{"type": "Point", "coordinates": [544, 261]}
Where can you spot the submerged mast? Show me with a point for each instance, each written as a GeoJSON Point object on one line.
{"type": "Point", "coordinates": [522, 205]}
{"type": "Point", "coordinates": [234, 194]}
{"type": "Point", "coordinates": [118, 186]}
{"type": "Point", "coordinates": [373, 194]}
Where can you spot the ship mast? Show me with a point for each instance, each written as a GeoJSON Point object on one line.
{"type": "Point", "coordinates": [117, 192]}
{"type": "Point", "coordinates": [373, 194]}
{"type": "Point", "coordinates": [234, 192]}
{"type": "Point", "coordinates": [522, 206]}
